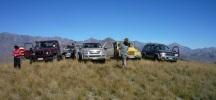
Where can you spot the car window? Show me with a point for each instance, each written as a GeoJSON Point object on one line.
{"type": "Point", "coordinates": [130, 44]}
{"type": "Point", "coordinates": [163, 47]}
{"type": "Point", "coordinates": [46, 45]}
{"type": "Point", "coordinates": [92, 45]}
{"type": "Point", "coordinates": [152, 48]}
{"type": "Point", "coordinates": [148, 47]}
{"type": "Point", "coordinates": [157, 48]}
{"type": "Point", "coordinates": [144, 48]}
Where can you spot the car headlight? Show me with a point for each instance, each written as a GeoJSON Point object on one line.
{"type": "Point", "coordinates": [47, 53]}
{"type": "Point", "coordinates": [103, 52]}
{"type": "Point", "coordinates": [33, 53]}
{"type": "Point", "coordinates": [163, 54]}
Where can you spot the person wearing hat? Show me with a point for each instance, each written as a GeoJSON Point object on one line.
{"type": "Point", "coordinates": [17, 57]}
{"type": "Point", "coordinates": [126, 42]}
{"type": "Point", "coordinates": [123, 52]}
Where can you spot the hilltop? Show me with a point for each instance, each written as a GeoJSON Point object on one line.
{"type": "Point", "coordinates": [8, 40]}
{"type": "Point", "coordinates": [142, 80]}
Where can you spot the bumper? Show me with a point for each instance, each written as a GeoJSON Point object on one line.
{"type": "Point", "coordinates": [94, 57]}
{"type": "Point", "coordinates": [168, 58]}
{"type": "Point", "coordinates": [133, 57]}
{"type": "Point", "coordinates": [68, 55]}
{"type": "Point", "coordinates": [47, 58]}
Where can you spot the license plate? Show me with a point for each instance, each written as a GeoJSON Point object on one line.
{"type": "Point", "coordinates": [94, 58]}
{"type": "Point", "coordinates": [130, 53]}
{"type": "Point", "coordinates": [40, 58]}
{"type": "Point", "coordinates": [170, 58]}
{"type": "Point", "coordinates": [68, 55]}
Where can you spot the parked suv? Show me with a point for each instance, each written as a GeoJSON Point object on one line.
{"type": "Point", "coordinates": [43, 51]}
{"type": "Point", "coordinates": [92, 51]}
{"type": "Point", "coordinates": [160, 52]}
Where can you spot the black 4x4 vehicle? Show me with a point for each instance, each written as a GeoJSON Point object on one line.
{"type": "Point", "coordinates": [160, 52]}
{"type": "Point", "coordinates": [44, 51]}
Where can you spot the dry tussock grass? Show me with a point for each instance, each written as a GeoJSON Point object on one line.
{"type": "Point", "coordinates": [142, 80]}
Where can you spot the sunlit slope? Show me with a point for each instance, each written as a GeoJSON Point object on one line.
{"type": "Point", "coordinates": [148, 80]}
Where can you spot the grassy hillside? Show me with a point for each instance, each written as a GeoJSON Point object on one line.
{"type": "Point", "coordinates": [142, 80]}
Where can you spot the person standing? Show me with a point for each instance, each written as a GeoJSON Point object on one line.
{"type": "Point", "coordinates": [123, 52]}
{"type": "Point", "coordinates": [17, 57]}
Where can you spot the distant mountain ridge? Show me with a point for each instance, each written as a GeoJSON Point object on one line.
{"type": "Point", "coordinates": [8, 40]}
{"type": "Point", "coordinates": [201, 54]}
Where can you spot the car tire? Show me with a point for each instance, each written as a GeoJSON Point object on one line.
{"type": "Point", "coordinates": [31, 61]}
{"type": "Point", "coordinates": [156, 58]}
{"type": "Point", "coordinates": [103, 61]}
{"type": "Point", "coordinates": [143, 56]}
{"type": "Point", "coordinates": [139, 58]}
{"type": "Point", "coordinates": [59, 58]}
{"type": "Point", "coordinates": [54, 58]}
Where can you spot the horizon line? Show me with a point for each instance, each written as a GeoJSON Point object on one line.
{"type": "Point", "coordinates": [24, 34]}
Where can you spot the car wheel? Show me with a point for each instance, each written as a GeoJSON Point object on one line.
{"type": "Point", "coordinates": [139, 58]}
{"type": "Point", "coordinates": [156, 58]}
{"type": "Point", "coordinates": [54, 58]}
{"type": "Point", "coordinates": [59, 57]}
{"type": "Point", "coordinates": [143, 56]}
{"type": "Point", "coordinates": [103, 61]}
{"type": "Point", "coordinates": [31, 61]}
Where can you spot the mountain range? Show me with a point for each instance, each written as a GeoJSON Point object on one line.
{"type": "Point", "coordinates": [8, 40]}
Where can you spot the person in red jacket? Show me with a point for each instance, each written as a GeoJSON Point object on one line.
{"type": "Point", "coordinates": [17, 57]}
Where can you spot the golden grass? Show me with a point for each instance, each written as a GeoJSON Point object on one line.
{"type": "Point", "coordinates": [142, 80]}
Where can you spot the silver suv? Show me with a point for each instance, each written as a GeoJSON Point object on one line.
{"type": "Point", "coordinates": [92, 51]}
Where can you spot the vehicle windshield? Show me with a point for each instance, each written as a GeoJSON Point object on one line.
{"type": "Point", "coordinates": [131, 44]}
{"type": "Point", "coordinates": [92, 45]}
{"type": "Point", "coordinates": [46, 45]}
{"type": "Point", "coordinates": [163, 47]}
{"type": "Point", "coordinates": [78, 45]}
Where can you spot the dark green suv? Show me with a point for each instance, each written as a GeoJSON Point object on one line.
{"type": "Point", "coordinates": [160, 52]}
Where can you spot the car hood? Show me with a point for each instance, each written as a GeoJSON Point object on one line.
{"type": "Point", "coordinates": [93, 49]}
{"type": "Point", "coordinates": [133, 49]}
{"type": "Point", "coordinates": [165, 51]}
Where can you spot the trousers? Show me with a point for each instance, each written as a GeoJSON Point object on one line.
{"type": "Point", "coordinates": [17, 62]}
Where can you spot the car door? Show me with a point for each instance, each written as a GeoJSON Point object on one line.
{"type": "Point", "coordinates": [147, 51]}
{"type": "Point", "coordinates": [144, 51]}
{"type": "Point", "coordinates": [152, 51]}
{"type": "Point", "coordinates": [176, 51]}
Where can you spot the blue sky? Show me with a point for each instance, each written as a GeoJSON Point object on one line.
{"type": "Point", "coordinates": [188, 22]}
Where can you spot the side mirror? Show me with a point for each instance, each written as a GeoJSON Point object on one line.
{"type": "Point", "coordinates": [105, 48]}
